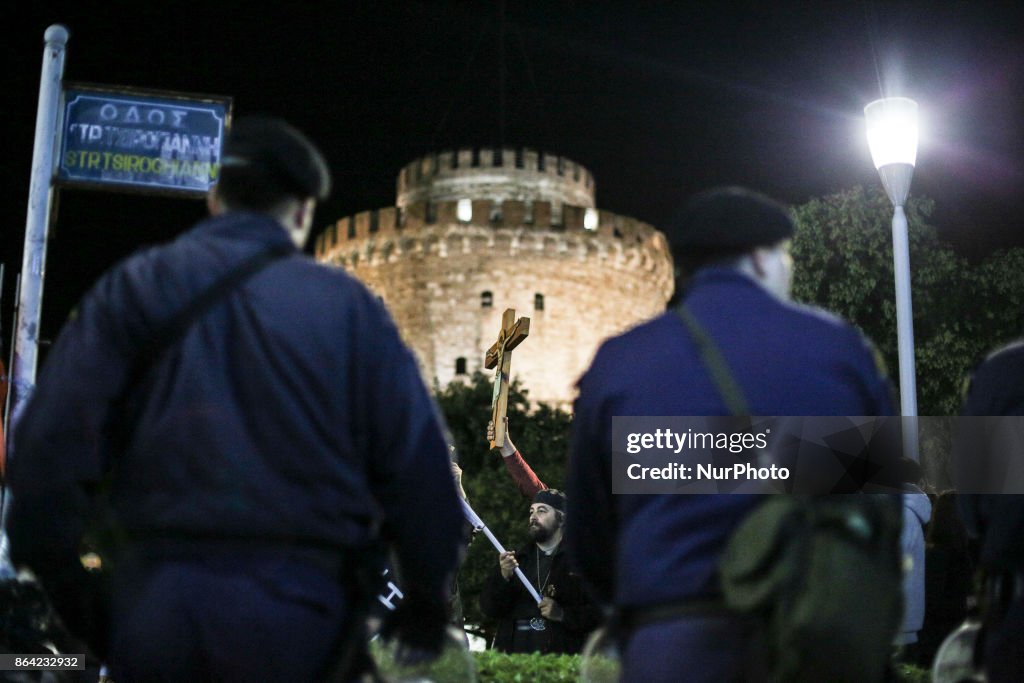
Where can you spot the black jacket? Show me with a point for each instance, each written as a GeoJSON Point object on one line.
{"type": "Point", "coordinates": [508, 601]}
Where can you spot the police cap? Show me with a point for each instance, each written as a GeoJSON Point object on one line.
{"type": "Point", "coordinates": [729, 219]}
{"type": "Point", "coordinates": [271, 145]}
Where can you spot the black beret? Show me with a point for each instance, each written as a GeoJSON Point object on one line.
{"type": "Point", "coordinates": [729, 218]}
{"type": "Point", "coordinates": [552, 497]}
{"type": "Point", "coordinates": [279, 149]}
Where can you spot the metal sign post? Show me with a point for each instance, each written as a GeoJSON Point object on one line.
{"type": "Point", "coordinates": [103, 137]}
{"type": "Point", "coordinates": [37, 224]}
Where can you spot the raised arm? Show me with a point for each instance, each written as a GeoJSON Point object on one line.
{"type": "Point", "coordinates": [522, 474]}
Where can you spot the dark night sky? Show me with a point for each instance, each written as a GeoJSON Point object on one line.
{"type": "Point", "coordinates": [658, 100]}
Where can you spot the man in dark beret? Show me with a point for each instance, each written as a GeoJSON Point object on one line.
{"type": "Point", "coordinates": [256, 424]}
{"type": "Point", "coordinates": [655, 557]}
{"type": "Point", "coordinates": [560, 622]}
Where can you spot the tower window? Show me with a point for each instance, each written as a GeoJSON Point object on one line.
{"type": "Point", "coordinates": [538, 302]}
{"type": "Point", "coordinates": [460, 366]}
{"type": "Point", "coordinates": [464, 210]}
{"type": "Point", "coordinates": [486, 300]}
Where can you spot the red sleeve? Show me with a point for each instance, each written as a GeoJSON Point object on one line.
{"type": "Point", "coordinates": [524, 477]}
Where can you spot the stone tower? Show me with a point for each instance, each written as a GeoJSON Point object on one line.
{"type": "Point", "coordinates": [475, 232]}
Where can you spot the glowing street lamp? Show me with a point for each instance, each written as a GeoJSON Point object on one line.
{"type": "Point", "coordinates": [892, 137]}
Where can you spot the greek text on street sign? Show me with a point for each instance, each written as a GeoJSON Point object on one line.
{"type": "Point", "coordinates": [141, 140]}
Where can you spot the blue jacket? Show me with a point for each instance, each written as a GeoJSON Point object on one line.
{"type": "Point", "coordinates": [290, 412]}
{"type": "Point", "coordinates": [638, 550]}
{"type": "Point", "coordinates": [997, 520]}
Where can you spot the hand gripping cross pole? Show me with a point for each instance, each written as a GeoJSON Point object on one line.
{"type": "Point", "coordinates": [478, 525]}
{"type": "Point", "coordinates": [394, 593]}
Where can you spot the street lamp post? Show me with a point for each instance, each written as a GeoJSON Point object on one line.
{"type": "Point", "coordinates": [892, 137]}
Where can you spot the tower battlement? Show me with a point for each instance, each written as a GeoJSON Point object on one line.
{"type": "Point", "coordinates": [474, 232]}
{"type": "Point", "coordinates": [496, 174]}
{"type": "Point", "coordinates": [393, 222]}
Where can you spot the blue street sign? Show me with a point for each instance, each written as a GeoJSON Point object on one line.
{"type": "Point", "coordinates": [142, 140]}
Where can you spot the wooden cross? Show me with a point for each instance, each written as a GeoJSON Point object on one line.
{"type": "Point", "coordinates": [499, 356]}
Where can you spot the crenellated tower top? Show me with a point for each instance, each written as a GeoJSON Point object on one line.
{"type": "Point", "coordinates": [476, 231]}
{"type": "Point", "coordinates": [496, 174]}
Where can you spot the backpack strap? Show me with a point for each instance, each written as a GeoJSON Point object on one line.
{"type": "Point", "coordinates": [715, 363]}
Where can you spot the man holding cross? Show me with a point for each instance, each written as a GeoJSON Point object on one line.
{"type": "Point", "coordinates": [560, 622]}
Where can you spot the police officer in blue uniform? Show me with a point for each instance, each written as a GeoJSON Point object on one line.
{"type": "Point", "coordinates": [996, 520]}
{"type": "Point", "coordinates": [261, 429]}
{"type": "Point", "coordinates": [647, 554]}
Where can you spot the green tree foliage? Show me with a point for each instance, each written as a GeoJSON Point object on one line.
{"type": "Point", "coordinates": [842, 252]}
{"type": "Point", "coordinates": [542, 436]}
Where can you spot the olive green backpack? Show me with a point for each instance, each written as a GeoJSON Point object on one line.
{"type": "Point", "coordinates": [821, 575]}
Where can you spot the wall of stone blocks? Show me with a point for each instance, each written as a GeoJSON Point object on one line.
{"type": "Point", "coordinates": [594, 285]}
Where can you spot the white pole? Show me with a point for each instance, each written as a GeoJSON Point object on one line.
{"type": "Point", "coordinates": [892, 137]}
{"type": "Point", "coordinates": [905, 330]}
{"type": "Point", "coordinates": [479, 525]}
{"type": "Point", "coordinates": [33, 265]}
{"type": "Point", "coordinates": [37, 223]}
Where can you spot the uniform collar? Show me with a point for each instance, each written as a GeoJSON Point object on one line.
{"type": "Point", "coordinates": [722, 275]}
{"type": "Point", "coordinates": [249, 226]}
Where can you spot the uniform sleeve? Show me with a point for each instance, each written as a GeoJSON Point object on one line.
{"type": "Point", "coordinates": [881, 394]}
{"type": "Point", "coordinates": [591, 519]}
{"type": "Point", "coordinates": [408, 462]}
{"type": "Point", "coordinates": [527, 481]}
{"type": "Point", "coordinates": [996, 520]}
{"type": "Point", "coordinates": [60, 453]}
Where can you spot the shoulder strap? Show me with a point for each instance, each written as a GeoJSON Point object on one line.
{"type": "Point", "coordinates": [175, 328]}
{"type": "Point", "coordinates": [715, 363]}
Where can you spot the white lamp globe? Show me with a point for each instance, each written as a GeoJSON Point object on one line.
{"type": "Point", "coordinates": [892, 131]}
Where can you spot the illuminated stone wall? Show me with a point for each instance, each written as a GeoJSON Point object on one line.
{"type": "Point", "coordinates": [447, 281]}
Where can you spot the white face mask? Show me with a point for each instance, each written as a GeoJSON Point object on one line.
{"type": "Point", "coordinates": [774, 269]}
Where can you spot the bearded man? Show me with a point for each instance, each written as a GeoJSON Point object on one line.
{"type": "Point", "coordinates": [565, 615]}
